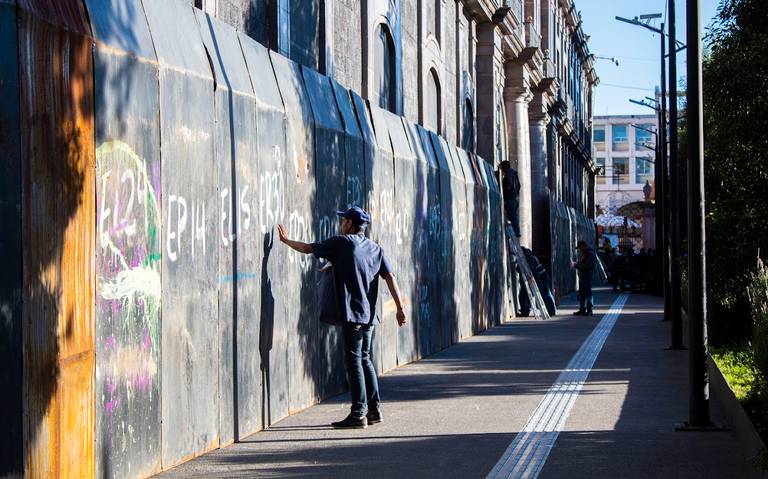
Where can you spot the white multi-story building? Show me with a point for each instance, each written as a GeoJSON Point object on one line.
{"type": "Point", "coordinates": [624, 150]}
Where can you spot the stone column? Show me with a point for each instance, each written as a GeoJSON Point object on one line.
{"type": "Point", "coordinates": [489, 66]}
{"type": "Point", "coordinates": [517, 95]}
{"type": "Point", "coordinates": [538, 121]}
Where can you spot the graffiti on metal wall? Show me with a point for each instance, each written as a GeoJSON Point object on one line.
{"type": "Point", "coordinates": [128, 283]}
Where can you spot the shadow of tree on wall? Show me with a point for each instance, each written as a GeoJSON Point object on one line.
{"type": "Point", "coordinates": [57, 229]}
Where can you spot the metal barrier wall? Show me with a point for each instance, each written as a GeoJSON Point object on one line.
{"type": "Point", "coordinates": [128, 240]}
{"type": "Point", "coordinates": [11, 402]}
{"type": "Point", "coordinates": [171, 321]}
{"type": "Point", "coordinates": [568, 228]}
{"type": "Point", "coordinates": [58, 228]}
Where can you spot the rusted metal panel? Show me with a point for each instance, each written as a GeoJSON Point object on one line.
{"type": "Point", "coordinates": [382, 209]}
{"type": "Point", "coordinates": [128, 251]}
{"type": "Point", "coordinates": [301, 202]}
{"type": "Point", "coordinates": [239, 239]}
{"type": "Point", "coordinates": [448, 246]}
{"type": "Point", "coordinates": [69, 14]}
{"type": "Point", "coordinates": [191, 219]}
{"type": "Point", "coordinates": [271, 210]}
{"type": "Point", "coordinates": [405, 257]}
{"type": "Point", "coordinates": [11, 456]}
{"type": "Point", "coordinates": [330, 180]}
{"type": "Point", "coordinates": [58, 227]}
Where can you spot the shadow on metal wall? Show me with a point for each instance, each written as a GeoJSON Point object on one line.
{"type": "Point", "coordinates": [11, 405]}
{"type": "Point", "coordinates": [55, 151]}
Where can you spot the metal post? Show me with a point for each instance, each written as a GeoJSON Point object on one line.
{"type": "Point", "coordinates": [674, 191]}
{"type": "Point", "coordinates": [664, 176]}
{"type": "Point", "coordinates": [697, 280]}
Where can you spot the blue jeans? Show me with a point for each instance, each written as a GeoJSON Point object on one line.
{"type": "Point", "coordinates": [363, 384]}
{"type": "Point", "coordinates": [585, 291]}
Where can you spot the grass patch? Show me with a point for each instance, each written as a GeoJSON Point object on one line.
{"type": "Point", "coordinates": [738, 367]}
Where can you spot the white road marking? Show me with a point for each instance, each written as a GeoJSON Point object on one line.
{"type": "Point", "coordinates": [526, 455]}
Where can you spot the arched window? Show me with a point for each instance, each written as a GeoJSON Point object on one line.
{"type": "Point", "coordinates": [468, 133]}
{"type": "Point", "coordinates": [384, 69]}
{"type": "Point", "coordinates": [433, 110]}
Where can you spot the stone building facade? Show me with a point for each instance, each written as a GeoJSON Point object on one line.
{"type": "Point", "coordinates": [507, 79]}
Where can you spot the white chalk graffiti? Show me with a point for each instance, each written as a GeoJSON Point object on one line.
{"type": "Point", "coordinates": [354, 191]}
{"type": "Point", "coordinates": [130, 192]}
{"type": "Point", "coordinates": [327, 228]}
{"type": "Point", "coordinates": [271, 195]}
{"type": "Point", "coordinates": [402, 226]}
{"type": "Point", "coordinates": [298, 230]}
{"type": "Point", "coordinates": [227, 225]}
{"type": "Point", "coordinates": [181, 214]}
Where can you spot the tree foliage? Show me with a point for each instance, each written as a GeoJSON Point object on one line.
{"type": "Point", "coordinates": [736, 159]}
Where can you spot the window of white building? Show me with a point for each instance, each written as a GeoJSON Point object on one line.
{"type": "Point", "coordinates": [432, 110]}
{"type": "Point", "coordinates": [620, 171]}
{"type": "Point", "coordinates": [619, 138]}
{"type": "Point", "coordinates": [643, 170]}
{"type": "Point", "coordinates": [644, 137]}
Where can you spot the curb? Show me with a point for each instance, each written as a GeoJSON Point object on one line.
{"type": "Point", "coordinates": [734, 413]}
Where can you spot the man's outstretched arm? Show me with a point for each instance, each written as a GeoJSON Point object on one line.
{"type": "Point", "coordinates": [394, 290]}
{"type": "Point", "coordinates": [305, 248]}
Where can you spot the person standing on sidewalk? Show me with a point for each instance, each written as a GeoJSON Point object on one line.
{"type": "Point", "coordinates": [357, 265]}
{"type": "Point", "coordinates": [585, 267]}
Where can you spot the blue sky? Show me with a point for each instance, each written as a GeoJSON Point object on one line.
{"type": "Point", "coordinates": [636, 48]}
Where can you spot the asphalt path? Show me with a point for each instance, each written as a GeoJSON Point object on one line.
{"type": "Point", "coordinates": [456, 413]}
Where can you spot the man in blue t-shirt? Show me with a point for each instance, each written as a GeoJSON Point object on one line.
{"type": "Point", "coordinates": [357, 264]}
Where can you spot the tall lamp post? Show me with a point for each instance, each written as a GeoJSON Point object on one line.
{"type": "Point", "coordinates": [675, 300]}
{"type": "Point", "coordinates": [671, 276]}
{"type": "Point", "coordinates": [698, 412]}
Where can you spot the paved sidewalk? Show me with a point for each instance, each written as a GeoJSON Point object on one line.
{"type": "Point", "coordinates": [455, 413]}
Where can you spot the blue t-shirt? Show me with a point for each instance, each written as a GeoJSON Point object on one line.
{"type": "Point", "coordinates": [357, 264]}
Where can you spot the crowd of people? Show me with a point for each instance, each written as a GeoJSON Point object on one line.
{"type": "Point", "coordinates": [630, 270]}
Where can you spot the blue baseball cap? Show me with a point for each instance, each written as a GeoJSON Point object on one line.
{"type": "Point", "coordinates": [356, 214]}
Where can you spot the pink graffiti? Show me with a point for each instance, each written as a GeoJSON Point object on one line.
{"type": "Point", "coordinates": [146, 342]}
{"type": "Point", "coordinates": [110, 406]}
{"type": "Point", "coordinates": [110, 343]}
{"type": "Point", "coordinates": [142, 382]}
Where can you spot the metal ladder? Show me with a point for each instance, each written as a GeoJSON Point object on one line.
{"type": "Point", "coordinates": [538, 307]}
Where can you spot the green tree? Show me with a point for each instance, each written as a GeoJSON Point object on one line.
{"type": "Point", "coordinates": [736, 152]}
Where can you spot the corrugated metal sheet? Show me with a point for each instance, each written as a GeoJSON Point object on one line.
{"type": "Point", "coordinates": [129, 242]}
{"type": "Point", "coordinates": [56, 94]}
{"type": "Point", "coordinates": [382, 209]}
{"type": "Point", "coordinates": [448, 246]}
{"type": "Point", "coordinates": [331, 182]}
{"type": "Point", "coordinates": [406, 254]}
{"type": "Point", "coordinates": [191, 219]}
{"type": "Point", "coordinates": [240, 240]}
{"type": "Point", "coordinates": [69, 14]}
{"type": "Point", "coordinates": [301, 203]}
{"type": "Point", "coordinates": [271, 210]}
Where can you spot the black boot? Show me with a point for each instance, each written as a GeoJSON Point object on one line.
{"type": "Point", "coordinates": [580, 312]}
{"type": "Point", "coordinates": [351, 422]}
{"type": "Point", "coordinates": [374, 417]}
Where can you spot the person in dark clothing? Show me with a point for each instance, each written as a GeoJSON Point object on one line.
{"type": "Point", "coordinates": [585, 267]}
{"type": "Point", "coordinates": [620, 272]}
{"type": "Point", "coordinates": [542, 282]}
{"type": "Point", "coordinates": [510, 185]}
{"type": "Point", "coordinates": [357, 265]}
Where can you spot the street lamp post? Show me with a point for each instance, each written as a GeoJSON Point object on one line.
{"type": "Point", "coordinates": [698, 414]}
{"type": "Point", "coordinates": [675, 298]}
{"type": "Point", "coordinates": [661, 168]}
